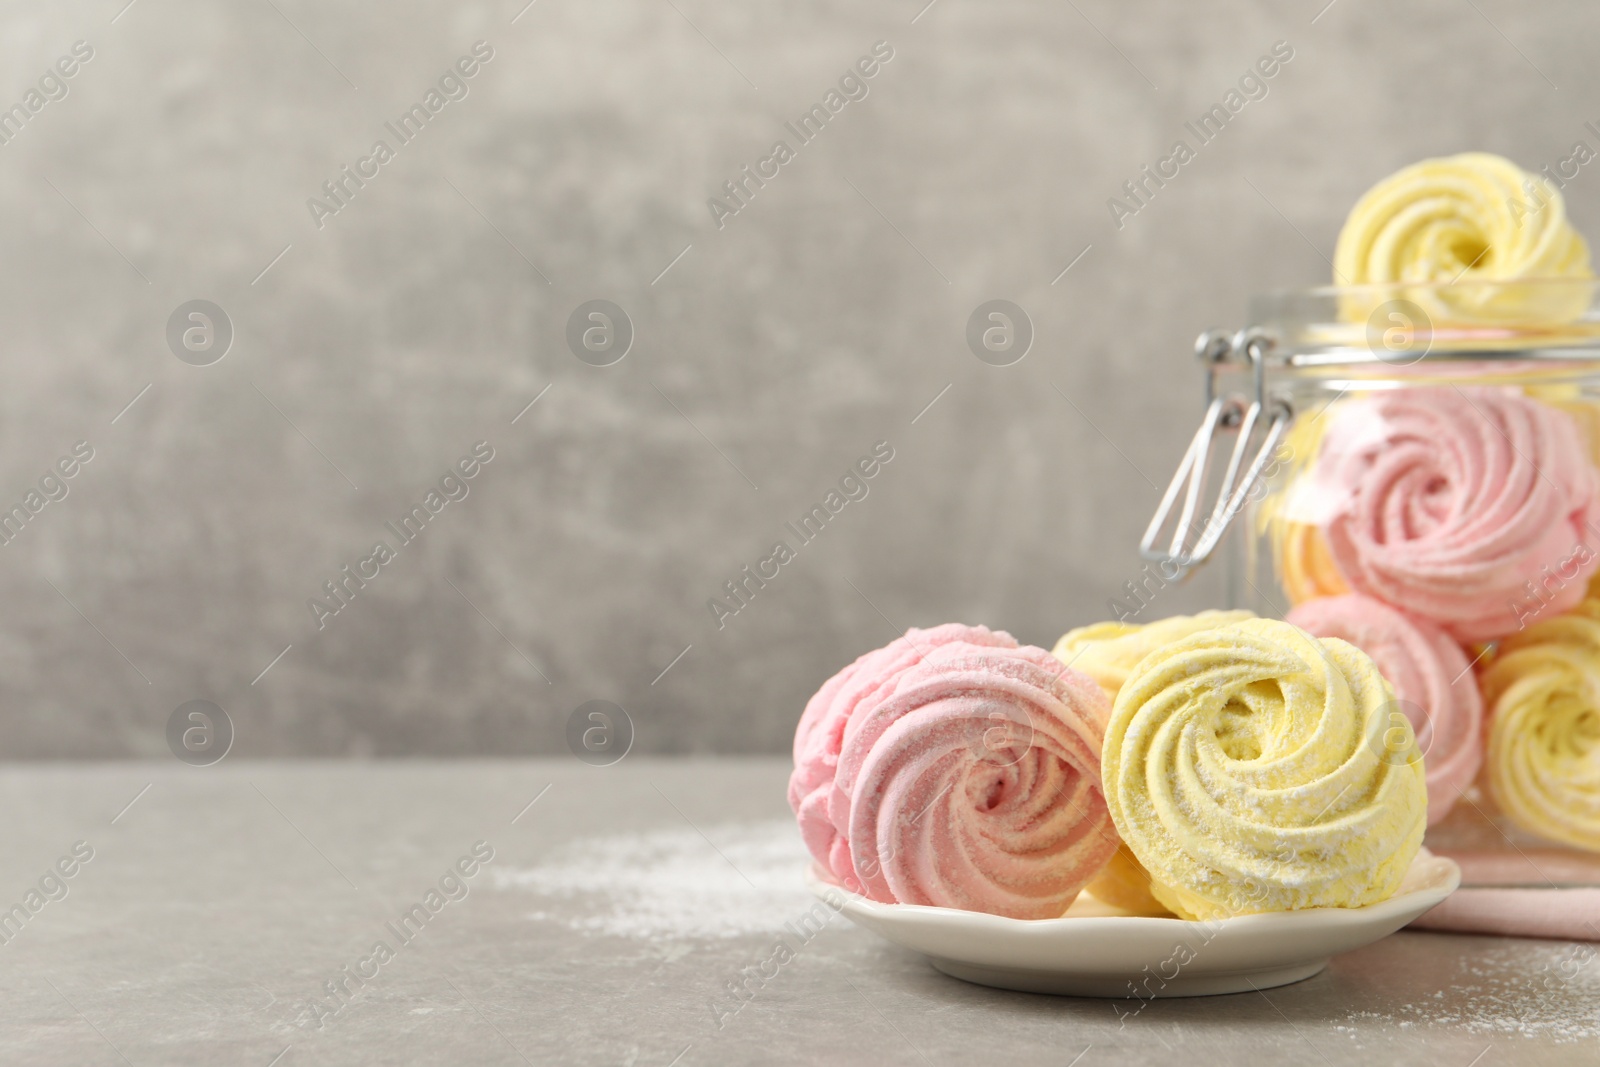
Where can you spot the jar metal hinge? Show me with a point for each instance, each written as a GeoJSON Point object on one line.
{"type": "Point", "coordinates": [1232, 414]}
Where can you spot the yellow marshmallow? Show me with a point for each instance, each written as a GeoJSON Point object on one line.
{"type": "Point", "coordinates": [1543, 696]}
{"type": "Point", "coordinates": [1290, 517]}
{"type": "Point", "coordinates": [1305, 566]}
{"type": "Point", "coordinates": [1467, 218]}
{"type": "Point", "coordinates": [1124, 884]}
{"type": "Point", "coordinates": [1109, 651]}
{"type": "Point", "coordinates": [1255, 768]}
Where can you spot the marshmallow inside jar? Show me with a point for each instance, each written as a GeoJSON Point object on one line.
{"type": "Point", "coordinates": [1408, 459]}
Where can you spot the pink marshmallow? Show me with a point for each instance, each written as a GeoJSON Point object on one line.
{"type": "Point", "coordinates": [1468, 507]}
{"type": "Point", "coordinates": [955, 769]}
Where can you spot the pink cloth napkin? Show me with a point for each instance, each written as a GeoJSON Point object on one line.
{"type": "Point", "coordinates": [1567, 914]}
{"type": "Point", "coordinates": [1526, 894]}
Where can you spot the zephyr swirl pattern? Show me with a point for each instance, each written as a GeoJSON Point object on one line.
{"type": "Point", "coordinates": [820, 734]}
{"type": "Point", "coordinates": [1109, 651]}
{"type": "Point", "coordinates": [975, 784]}
{"type": "Point", "coordinates": [1462, 219]}
{"type": "Point", "coordinates": [1432, 680]}
{"type": "Point", "coordinates": [1450, 501]}
{"type": "Point", "coordinates": [1543, 692]}
{"type": "Point", "coordinates": [1305, 567]}
{"type": "Point", "coordinates": [1245, 768]}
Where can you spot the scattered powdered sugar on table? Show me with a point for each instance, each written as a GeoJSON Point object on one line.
{"type": "Point", "coordinates": [672, 882]}
{"type": "Point", "coordinates": [1498, 991]}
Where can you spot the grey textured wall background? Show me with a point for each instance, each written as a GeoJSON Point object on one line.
{"type": "Point", "coordinates": [823, 317]}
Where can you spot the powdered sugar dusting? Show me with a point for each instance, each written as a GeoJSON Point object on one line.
{"type": "Point", "coordinates": [672, 883]}
{"type": "Point", "coordinates": [1537, 989]}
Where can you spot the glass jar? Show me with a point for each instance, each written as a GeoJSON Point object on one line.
{"type": "Point", "coordinates": [1416, 467]}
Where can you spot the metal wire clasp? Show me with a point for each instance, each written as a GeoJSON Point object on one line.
{"type": "Point", "coordinates": [1231, 413]}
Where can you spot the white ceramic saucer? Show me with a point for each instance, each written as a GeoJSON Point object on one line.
{"type": "Point", "coordinates": [1096, 951]}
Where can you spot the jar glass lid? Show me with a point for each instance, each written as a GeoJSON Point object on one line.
{"type": "Point", "coordinates": [1402, 323]}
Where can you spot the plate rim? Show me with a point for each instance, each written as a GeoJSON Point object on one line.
{"type": "Point", "coordinates": [1435, 892]}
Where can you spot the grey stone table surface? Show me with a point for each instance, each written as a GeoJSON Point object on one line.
{"type": "Point", "coordinates": [605, 914]}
